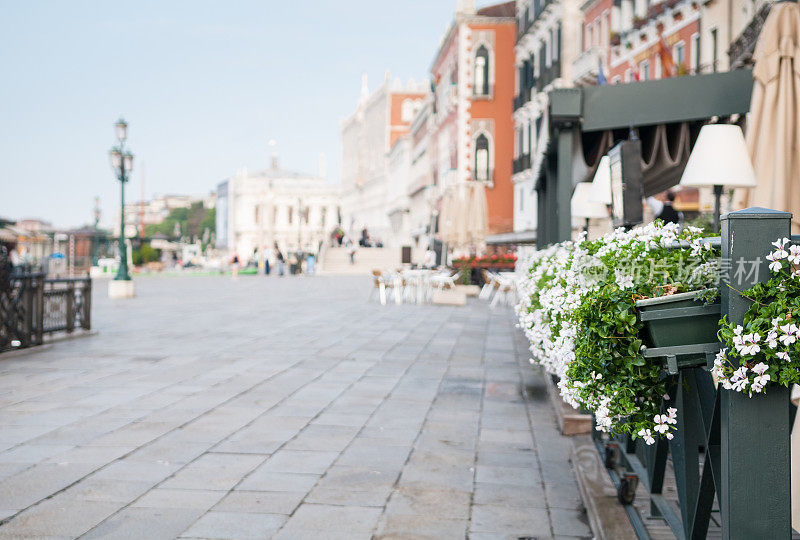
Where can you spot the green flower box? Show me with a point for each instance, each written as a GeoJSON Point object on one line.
{"type": "Point", "coordinates": [680, 328]}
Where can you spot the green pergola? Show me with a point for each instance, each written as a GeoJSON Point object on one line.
{"type": "Point", "coordinates": [575, 112]}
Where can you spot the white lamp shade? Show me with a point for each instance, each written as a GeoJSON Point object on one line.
{"type": "Point", "coordinates": [719, 158]}
{"type": "Point", "coordinates": [601, 183]}
{"type": "Point", "coordinates": [582, 207]}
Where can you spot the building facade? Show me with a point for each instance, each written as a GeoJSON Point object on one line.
{"type": "Point", "coordinates": [380, 120]}
{"type": "Point", "coordinates": [548, 44]}
{"type": "Point", "coordinates": [471, 128]}
{"type": "Point", "coordinates": [257, 210]}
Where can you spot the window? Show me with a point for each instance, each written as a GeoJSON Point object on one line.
{"type": "Point", "coordinates": [679, 55]}
{"type": "Point", "coordinates": [628, 75]}
{"type": "Point", "coordinates": [521, 200]}
{"type": "Point", "coordinates": [659, 68]}
{"type": "Point", "coordinates": [714, 58]}
{"type": "Point", "coordinates": [407, 110]}
{"type": "Point", "coordinates": [482, 158]}
{"type": "Point", "coordinates": [696, 53]}
{"type": "Point", "coordinates": [644, 69]}
{"type": "Point", "coordinates": [482, 71]}
{"type": "Point", "coordinates": [323, 216]}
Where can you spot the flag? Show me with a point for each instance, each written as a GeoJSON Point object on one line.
{"type": "Point", "coordinates": [601, 78]}
{"type": "Point", "coordinates": [668, 68]}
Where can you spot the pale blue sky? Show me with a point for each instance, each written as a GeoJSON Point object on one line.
{"type": "Point", "coordinates": [204, 86]}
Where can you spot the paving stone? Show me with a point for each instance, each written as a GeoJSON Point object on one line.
{"type": "Point", "coordinates": [336, 518]}
{"type": "Point", "coordinates": [150, 523]}
{"type": "Point", "coordinates": [300, 461]}
{"type": "Point", "coordinates": [238, 525]}
{"type": "Point", "coordinates": [449, 503]}
{"type": "Point", "coordinates": [570, 523]}
{"type": "Point", "coordinates": [178, 498]}
{"type": "Point", "coordinates": [59, 516]}
{"type": "Point", "coordinates": [266, 480]}
{"type": "Point", "coordinates": [520, 522]}
{"type": "Point", "coordinates": [420, 526]}
{"type": "Point", "coordinates": [513, 476]}
{"type": "Point", "coordinates": [261, 502]}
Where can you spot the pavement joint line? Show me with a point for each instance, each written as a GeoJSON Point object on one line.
{"type": "Point", "coordinates": [480, 425]}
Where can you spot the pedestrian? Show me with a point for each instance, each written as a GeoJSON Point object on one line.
{"type": "Point", "coordinates": [266, 254]}
{"type": "Point", "coordinates": [351, 250]}
{"type": "Point", "coordinates": [664, 210]}
{"type": "Point", "coordinates": [235, 267]}
{"type": "Point", "coordinates": [280, 259]}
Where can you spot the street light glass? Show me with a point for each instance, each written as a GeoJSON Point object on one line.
{"type": "Point", "coordinates": [128, 158]}
{"type": "Point", "coordinates": [115, 157]}
{"type": "Point", "coordinates": [122, 129]}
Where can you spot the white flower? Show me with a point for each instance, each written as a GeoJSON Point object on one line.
{"type": "Point", "coordinates": [647, 435]}
{"type": "Point", "coordinates": [774, 264]}
{"type": "Point", "coordinates": [670, 436]}
{"type": "Point", "coordinates": [783, 356]}
{"type": "Point", "coordinates": [794, 254]}
{"type": "Point", "coordinates": [772, 339]}
{"type": "Point", "coordinates": [760, 368]}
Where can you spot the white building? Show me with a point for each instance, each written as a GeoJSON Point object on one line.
{"type": "Point", "coordinates": [547, 46]}
{"type": "Point", "coordinates": [380, 120]}
{"type": "Point", "coordinates": [256, 210]}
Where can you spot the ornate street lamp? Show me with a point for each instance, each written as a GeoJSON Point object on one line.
{"type": "Point", "coordinates": [122, 164]}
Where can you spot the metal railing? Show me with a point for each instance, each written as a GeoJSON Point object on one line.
{"type": "Point", "coordinates": [32, 306]}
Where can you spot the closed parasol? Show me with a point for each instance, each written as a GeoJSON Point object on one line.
{"type": "Point", "coordinates": [772, 131]}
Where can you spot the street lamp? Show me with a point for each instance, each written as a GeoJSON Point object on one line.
{"type": "Point", "coordinates": [122, 164]}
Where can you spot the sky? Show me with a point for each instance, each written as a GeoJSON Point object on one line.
{"type": "Point", "coordinates": [203, 85]}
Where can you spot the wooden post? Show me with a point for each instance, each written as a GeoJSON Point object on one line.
{"type": "Point", "coordinates": [755, 495]}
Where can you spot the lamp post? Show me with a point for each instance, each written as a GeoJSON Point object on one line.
{"type": "Point", "coordinates": [719, 158]}
{"type": "Point", "coordinates": [122, 164]}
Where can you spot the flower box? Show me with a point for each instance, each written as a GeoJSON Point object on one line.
{"type": "Point", "coordinates": [680, 329]}
{"type": "Point", "coordinates": [678, 319]}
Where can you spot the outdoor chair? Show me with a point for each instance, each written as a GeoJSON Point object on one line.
{"type": "Point", "coordinates": [488, 285]}
{"type": "Point", "coordinates": [504, 288]}
{"type": "Point", "coordinates": [444, 280]}
{"type": "Point", "coordinates": [380, 285]}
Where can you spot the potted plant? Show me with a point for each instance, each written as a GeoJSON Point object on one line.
{"type": "Point", "coordinates": [578, 309]}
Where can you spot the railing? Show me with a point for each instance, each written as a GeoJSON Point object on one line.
{"type": "Point", "coordinates": [548, 75]}
{"type": "Point", "coordinates": [741, 50]}
{"type": "Point", "coordinates": [32, 306]}
{"type": "Point", "coordinates": [728, 448]}
{"type": "Point", "coordinates": [522, 163]}
{"type": "Point", "coordinates": [585, 66]}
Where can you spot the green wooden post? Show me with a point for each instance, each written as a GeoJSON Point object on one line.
{"type": "Point", "coordinates": [563, 218]}
{"type": "Point", "coordinates": [755, 495]}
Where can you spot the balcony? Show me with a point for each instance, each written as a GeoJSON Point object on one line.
{"type": "Point", "coordinates": [521, 163]}
{"type": "Point", "coordinates": [585, 67]}
{"type": "Point", "coordinates": [525, 22]}
{"type": "Point", "coordinates": [548, 75]}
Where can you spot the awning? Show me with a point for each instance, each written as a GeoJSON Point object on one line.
{"type": "Point", "coordinates": [521, 237]}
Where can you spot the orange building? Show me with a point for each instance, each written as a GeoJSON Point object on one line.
{"type": "Point", "coordinates": [472, 132]}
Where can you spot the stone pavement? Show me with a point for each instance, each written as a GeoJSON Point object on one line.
{"type": "Point", "coordinates": [287, 407]}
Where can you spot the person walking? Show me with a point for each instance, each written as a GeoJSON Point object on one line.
{"type": "Point", "coordinates": [280, 259]}
{"type": "Point", "coordinates": [351, 250]}
{"type": "Point", "coordinates": [267, 254]}
{"type": "Point", "coordinates": [235, 267]}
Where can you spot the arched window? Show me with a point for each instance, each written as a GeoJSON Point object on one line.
{"type": "Point", "coordinates": [482, 71]}
{"type": "Point", "coordinates": [482, 158]}
{"type": "Point", "coordinates": [407, 110]}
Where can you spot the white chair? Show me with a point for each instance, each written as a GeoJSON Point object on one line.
{"type": "Point", "coordinates": [380, 285]}
{"type": "Point", "coordinates": [488, 285]}
{"type": "Point", "coordinates": [444, 280]}
{"type": "Point", "coordinates": [505, 290]}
